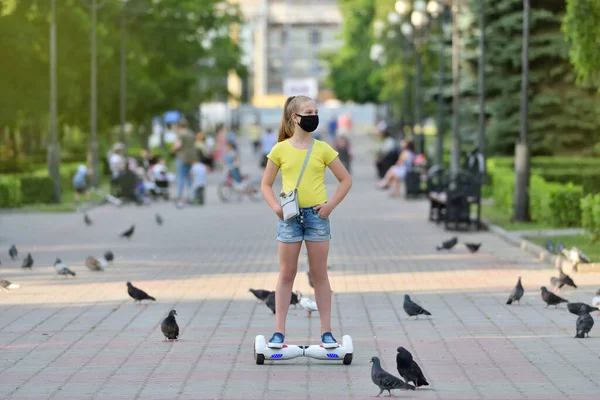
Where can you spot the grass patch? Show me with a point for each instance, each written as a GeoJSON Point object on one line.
{"type": "Point", "coordinates": [496, 216]}
{"type": "Point", "coordinates": [582, 242]}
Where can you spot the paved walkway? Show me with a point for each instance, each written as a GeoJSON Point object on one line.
{"type": "Point", "coordinates": [84, 338]}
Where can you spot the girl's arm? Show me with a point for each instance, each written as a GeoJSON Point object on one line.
{"type": "Point", "coordinates": [266, 186]}
{"type": "Point", "coordinates": [343, 176]}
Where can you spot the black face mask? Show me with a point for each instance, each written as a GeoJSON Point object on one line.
{"type": "Point", "coordinates": [308, 122]}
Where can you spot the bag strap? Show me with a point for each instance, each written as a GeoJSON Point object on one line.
{"type": "Point", "coordinates": [305, 162]}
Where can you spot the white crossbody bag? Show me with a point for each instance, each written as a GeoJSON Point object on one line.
{"type": "Point", "coordinates": [289, 200]}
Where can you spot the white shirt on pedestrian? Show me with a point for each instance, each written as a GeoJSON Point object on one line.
{"type": "Point", "coordinates": [198, 172]}
{"type": "Point", "coordinates": [268, 140]}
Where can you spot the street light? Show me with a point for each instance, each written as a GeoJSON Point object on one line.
{"type": "Point", "coordinates": [54, 147]}
{"type": "Point", "coordinates": [123, 73]}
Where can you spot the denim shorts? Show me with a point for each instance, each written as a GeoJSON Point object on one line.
{"type": "Point", "coordinates": [306, 226]}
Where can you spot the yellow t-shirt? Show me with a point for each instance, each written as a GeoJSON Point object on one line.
{"type": "Point", "coordinates": [290, 159]}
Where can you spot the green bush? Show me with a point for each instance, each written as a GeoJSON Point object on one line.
{"type": "Point", "coordinates": [588, 178]}
{"type": "Point", "coordinates": [10, 195]}
{"type": "Point", "coordinates": [590, 215]}
{"type": "Point", "coordinates": [36, 189]}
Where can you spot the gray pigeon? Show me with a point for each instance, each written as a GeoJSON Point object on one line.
{"type": "Point", "coordinates": [7, 285]}
{"type": "Point", "coordinates": [551, 299]}
{"type": "Point", "coordinates": [310, 281]}
{"type": "Point", "coordinates": [409, 369]}
{"type": "Point", "coordinates": [260, 294]}
{"type": "Point", "coordinates": [575, 308]}
{"type": "Point", "coordinates": [62, 269]}
{"type": "Point", "coordinates": [27, 261]}
{"type": "Point", "coordinates": [516, 293]}
{"type": "Point", "coordinates": [169, 327]}
{"type": "Point", "coordinates": [138, 294]}
{"type": "Point", "coordinates": [565, 279]}
{"type": "Point", "coordinates": [386, 381]}
{"type": "Point", "coordinates": [448, 244]}
{"type": "Point", "coordinates": [129, 232]}
{"type": "Point", "coordinates": [158, 219]}
{"type": "Point", "coordinates": [473, 247]}
{"type": "Point", "coordinates": [412, 308]}
{"type": "Point", "coordinates": [109, 256]}
{"type": "Point", "coordinates": [12, 252]}
{"type": "Point", "coordinates": [554, 281]}
{"type": "Point", "coordinates": [270, 301]}
{"type": "Point", "coordinates": [584, 323]}
{"type": "Point", "coordinates": [550, 246]}
{"type": "Point", "coordinates": [87, 219]}
{"type": "Point", "coordinates": [560, 246]}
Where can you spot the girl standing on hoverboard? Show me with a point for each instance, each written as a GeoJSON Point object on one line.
{"type": "Point", "coordinates": [300, 118]}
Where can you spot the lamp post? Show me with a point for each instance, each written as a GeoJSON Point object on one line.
{"type": "Point", "coordinates": [123, 76]}
{"type": "Point", "coordinates": [54, 147]}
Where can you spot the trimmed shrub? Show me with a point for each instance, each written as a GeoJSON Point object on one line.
{"type": "Point", "coordinates": [10, 195]}
{"type": "Point", "coordinates": [590, 215]}
{"type": "Point", "coordinates": [36, 189]}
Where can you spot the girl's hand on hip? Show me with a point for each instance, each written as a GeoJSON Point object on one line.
{"type": "Point", "coordinates": [323, 210]}
{"type": "Point", "coordinates": [278, 211]}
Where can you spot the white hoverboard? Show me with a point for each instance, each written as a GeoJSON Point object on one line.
{"type": "Point", "coordinates": [263, 352]}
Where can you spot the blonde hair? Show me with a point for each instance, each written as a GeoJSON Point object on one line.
{"type": "Point", "coordinates": [286, 129]}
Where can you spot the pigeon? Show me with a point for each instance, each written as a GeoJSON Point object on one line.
{"type": "Point", "coordinates": [296, 296]}
{"type": "Point", "coordinates": [473, 247]}
{"type": "Point", "coordinates": [554, 281]}
{"type": "Point", "coordinates": [12, 252]}
{"type": "Point", "coordinates": [409, 369]}
{"type": "Point", "coordinates": [565, 279]}
{"type": "Point", "coordinates": [169, 327]}
{"type": "Point", "coordinates": [596, 299]}
{"type": "Point", "coordinates": [62, 268]}
{"type": "Point", "coordinates": [560, 246]}
{"type": "Point", "coordinates": [412, 308]}
{"type": "Point", "coordinates": [270, 301]}
{"type": "Point", "coordinates": [138, 294]}
{"type": "Point", "coordinates": [516, 293]}
{"type": "Point", "coordinates": [550, 246]}
{"type": "Point", "coordinates": [575, 308]}
{"type": "Point", "coordinates": [129, 232]}
{"type": "Point", "coordinates": [576, 256]}
{"type": "Point", "coordinates": [260, 294]}
{"type": "Point", "coordinates": [87, 219]}
{"type": "Point", "coordinates": [310, 281]}
{"type": "Point", "coordinates": [27, 262]}
{"type": "Point", "coordinates": [584, 323]}
{"type": "Point", "coordinates": [309, 305]}
{"type": "Point", "coordinates": [109, 256]}
{"type": "Point", "coordinates": [158, 219]}
{"type": "Point", "coordinates": [551, 299]}
{"type": "Point", "coordinates": [448, 244]}
{"type": "Point", "coordinates": [7, 285]}
{"type": "Point", "coordinates": [386, 381]}
{"type": "Point", "coordinates": [94, 264]}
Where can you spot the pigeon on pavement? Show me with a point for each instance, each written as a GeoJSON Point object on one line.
{"type": "Point", "coordinates": [412, 308]}
{"type": "Point", "coordinates": [296, 296]}
{"type": "Point", "coordinates": [550, 246]}
{"type": "Point", "coordinates": [169, 327]}
{"type": "Point", "coordinates": [12, 252]}
{"type": "Point", "coordinates": [386, 381]}
{"type": "Point", "coordinates": [409, 369]}
{"type": "Point", "coordinates": [94, 264]}
{"type": "Point", "coordinates": [27, 262]}
{"type": "Point", "coordinates": [560, 246]}
{"type": "Point", "coordinates": [309, 305]}
{"type": "Point", "coordinates": [270, 301]}
{"type": "Point", "coordinates": [7, 285]}
{"type": "Point", "coordinates": [448, 244]}
{"type": "Point", "coordinates": [516, 293]}
{"type": "Point", "coordinates": [129, 232]}
{"type": "Point", "coordinates": [138, 294]}
{"type": "Point", "coordinates": [62, 268]}
{"type": "Point", "coordinates": [260, 294]}
{"type": "Point", "coordinates": [584, 323]}
{"type": "Point", "coordinates": [550, 298]}
{"type": "Point", "coordinates": [158, 219]}
{"type": "Point", "coordinates": [109, 256]}
{"type": "Point", "coordinates": [554, 281]}
{"type": "Point", "coordinates": [575, 308]}
{"type": "Point", "coordinates": [596, 299]}
{"type": "Point", "coordinates": [565, 279]}
{"type": "Point", "coordinates": [310, 281]}
{"type": "Point", "coordinates": [576, 256]}
{"type": "Point", "coordinates": [87, 219]}
{"type": "Point", "coordinates": [473, 247]}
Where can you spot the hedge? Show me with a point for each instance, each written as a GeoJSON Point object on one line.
{"type": "Point", "coordinates": [10, 195]}
{"type": "Point", "coordinates": [36, 189]}
{"type": "Point", "coordinates": [549, 202]}
{"type": "Point", "coordinates": [590, 215]}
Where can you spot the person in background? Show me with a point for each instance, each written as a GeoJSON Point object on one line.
{"type": "Point", "coordinates": [198, 175]}
{"type": "Point", "coordinates": [342, 146]}
{"type": "Point", "coordinates": [220, 143]}
{"type": "Point", "coordinates": [186, 156]}
{"type": "Point", "coordinates": [333, 126]}
{"type": "Point", "coordinates": [255, 136]}
{"type": "Point", "coordinates": [80, 183]}
{"type": "Point", "coordinates": [231, 159]}
{"type": "Point", "coordinates": [116, 160]}
{"type": "Point", "coordinates": [268, 140]}
{"type": "Point", "coordinates": [398, 171]}
{"type": "Point", "coordinates": [387, 154]}
{"type": "Point", "coordinates": [203, 153]}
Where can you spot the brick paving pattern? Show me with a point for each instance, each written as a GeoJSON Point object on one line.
{"type": "Point", "coordinates": [84, 338]}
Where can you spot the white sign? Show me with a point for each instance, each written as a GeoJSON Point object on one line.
{"type": "Point", "coordinates": [301, 86]}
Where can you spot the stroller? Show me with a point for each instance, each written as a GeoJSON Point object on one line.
{"type": "Point", "coordinates": [158, 181]}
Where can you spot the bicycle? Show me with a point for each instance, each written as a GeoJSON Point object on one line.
{"type": "Point", "coordinates": [248, 187]}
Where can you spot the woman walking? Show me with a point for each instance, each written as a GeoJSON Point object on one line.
{"type": "Point", "coordinates": [302, 161]}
